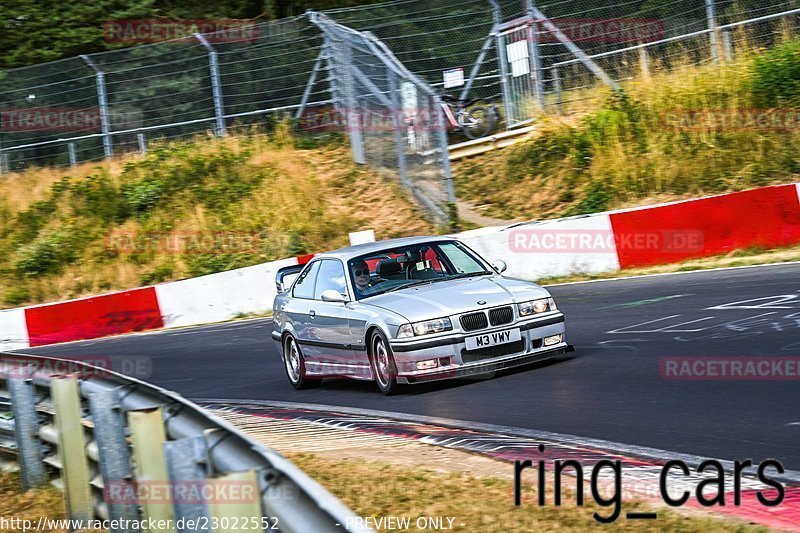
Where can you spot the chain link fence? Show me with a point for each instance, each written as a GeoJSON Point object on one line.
{"type": "Point", "coordinates": [384, 66]}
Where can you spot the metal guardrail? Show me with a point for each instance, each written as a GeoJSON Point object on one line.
{"type": "Point", "coordinates": [127, 451]}
{"type": "Point", "coordinates": [489, 143]}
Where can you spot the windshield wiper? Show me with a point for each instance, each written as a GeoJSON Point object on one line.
{"type": "Point", "coordinates": [434, 280]}
{"type": "Point", "coordinates": [421, 282]}
{"type": "Point", "coordinates": [468, 274]}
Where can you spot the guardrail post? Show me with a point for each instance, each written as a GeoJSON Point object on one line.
{"type": "Point", "coordinates": [109, 431]}
{"type": "Point", "coordinates": [26, 433]}
{"type": "Point", "coordinates": [148, 436]}
{"type": "Point", "coordinates": [73, 155]}
{"type": "Point", "coordinates": [711, 17]}
{"type": "Point", "coordinates": [216, 88]}
{"type": "Point", "coordinates": [72, 446]}
{"type": "Point", "coordinates": [102, 100]}
{"type": "Point", "coordinates": [230, 513]}
{"type": "Point", "coordinates": [185, 459]}
{"type": "Point", "coordinates": [4, 163]}
{"type": "Point", "coordinates": [140, 139]}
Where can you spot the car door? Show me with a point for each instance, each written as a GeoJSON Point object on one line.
{"type": "Point", "coordinates": [329, 329]}
{"type": "Point", "coordinates": [298, 307]}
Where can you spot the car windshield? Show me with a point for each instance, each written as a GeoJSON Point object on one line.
{"type": "Point", "coordinates": [415, 264]}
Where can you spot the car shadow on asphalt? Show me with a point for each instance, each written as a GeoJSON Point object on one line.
{"type": "Point", "coordinates": [352, 385]}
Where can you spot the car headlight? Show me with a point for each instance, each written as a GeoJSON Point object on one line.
{"type": "Point", "coordinates": [424, 328]}
{"type": "Point", "coordinates": [534, 307]}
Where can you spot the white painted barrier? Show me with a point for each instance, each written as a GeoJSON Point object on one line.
{"type": "Point", "coordinates": [219, 297]}
{"type": "Point", "coordinates": [496, 243]}
{"type": "Point", "coordinates": [13, 330]}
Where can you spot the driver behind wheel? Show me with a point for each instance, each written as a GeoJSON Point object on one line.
{"type": "Point", "coordinates": [360, 271]}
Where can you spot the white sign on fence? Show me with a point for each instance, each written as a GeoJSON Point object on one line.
{"type": "Point", "coordinates": [518, 58]}
{"type": "Point", "coordinates": [408, 93]}
{"type": "Point", "coordinates": [453, 78]}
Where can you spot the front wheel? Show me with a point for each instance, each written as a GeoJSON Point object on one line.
{"type": "Point", "coordinates": [383, 366]}
{"type": "Point", "coordinates": [477, 122]}
{"type": "Point", "coordinates": [295, 365]}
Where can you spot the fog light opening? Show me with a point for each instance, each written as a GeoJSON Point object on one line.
{"type": "Point", "coordinates": [428, 364]}
{"type": "Point", "coordinates": [553, 339]}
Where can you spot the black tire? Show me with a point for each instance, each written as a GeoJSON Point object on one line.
{"type": "Point", "coordinates": [383, 366]}
{"type": "Point", "coordinates": [295, 365]}
{"type": "Point", "coordinates": [478, 123]}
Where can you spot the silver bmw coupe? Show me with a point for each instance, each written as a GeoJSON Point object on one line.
{"type": "Point", "coordinates": [407, 311]}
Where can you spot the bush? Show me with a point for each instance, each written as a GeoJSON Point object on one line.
{"type": "Point", "coordinates": [160, 274]}
{"type": "Point", "coordinates": [776, 76]}
{"type": "Point", "coordinates": [49, 252]}
{"type": "Point", "coordinates": [17, 296]}
{"type": "Point", "coordinates": [143, 195]}
{"type": "Point", "coordinates": [598, 197]}
{"type": "Point", "coordinates": [98, 197]}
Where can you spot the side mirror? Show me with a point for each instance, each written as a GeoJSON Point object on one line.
{"type": "Point", "coordinates": [499, 266]}
{"type": "Point", "coordinates": [331, 295]}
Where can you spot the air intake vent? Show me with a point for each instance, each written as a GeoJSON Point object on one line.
{"type": "Point", "coordinates": [501, 315]}
{"type": "Point", "coordinates": [474, 321]}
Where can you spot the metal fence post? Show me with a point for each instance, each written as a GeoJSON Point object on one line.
{"type": "Point", "coordinates": [503, 64]}
{"type": "Point", "coordinates": [148, 436]}
{"type": "Point", "coordinates": [534, 55]}
{"type": "Point", "coordinates": [644, 62]}
{"type": "Point", "coordinates": [727, 44]}
{"type": "Point", "coordinates": [399, 136]}
{"type": "Point", "coordinates": [72, 446]}
{"type": "Point", "coordinates": [712, 25]}
{"type": "Point", "coordinates": [487, 44]}
{"type": "Point", "coordinates": [26, 432]}
{"type": "Point", "coordinates": [185, 459]}
{"type": "Point", "coordinates": [587, 61]}
{"type": "Point", "coordinates": [216, 89]}
{"type": "Point", "coordinates": [109, 431]}
{"type": "Point", "coordinates": [102, 101]}
{"type": "Point", "coordinates": [73, 155]}
{"type": "Point", "coordinates": [312, 79]}
{"type": "Point", "coordinates": [142, 141]}
{"type": "Point", "coordinates": [557, 89]}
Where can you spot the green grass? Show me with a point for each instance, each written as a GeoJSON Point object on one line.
{"type": "Point", "coordinates": [635, 148]}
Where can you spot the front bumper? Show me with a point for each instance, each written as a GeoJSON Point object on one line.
{"type": "Point", "coordinates": [455, 361]}
{"type": "Point", "coordinates": [485, 367]}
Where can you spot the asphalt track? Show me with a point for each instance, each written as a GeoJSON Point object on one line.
{"type": "Point", "coordinates": [612, 388]}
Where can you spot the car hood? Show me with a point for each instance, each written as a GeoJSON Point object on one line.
{"type": "Point", "coordinates": [445, 298]}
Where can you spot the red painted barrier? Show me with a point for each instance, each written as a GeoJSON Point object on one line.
{"type": "Point", "coordinates": [98, 316]}
{"type": "Point", "coordinates": [768, 218]}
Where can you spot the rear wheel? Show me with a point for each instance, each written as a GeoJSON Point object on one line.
{"type": "Point", "coordinates": [477, 122]}
{"type": "Point", "coordinates": [383, 366]}
{"type": "Point", "coordinates": [295, 365]}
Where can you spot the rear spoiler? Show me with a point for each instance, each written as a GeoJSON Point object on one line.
{"type": "Point", "coordinates": [286, 271]}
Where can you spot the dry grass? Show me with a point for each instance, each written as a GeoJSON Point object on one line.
{"type": "Point", "coordinates": [46, 502]}
{"type": "Point", "coordinates": [477, 503]}
{"type": "Point", "coordinates": [302, 201]}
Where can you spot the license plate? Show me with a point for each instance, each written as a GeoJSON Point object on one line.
{"type": "Point", "coordinates": [492, 339]}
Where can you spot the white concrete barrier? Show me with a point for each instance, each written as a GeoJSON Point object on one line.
{"type": "Point", "coordinates": [13, 330]}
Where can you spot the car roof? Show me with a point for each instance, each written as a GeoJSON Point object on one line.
{"type": "Point", "coordinates": [373, 247]}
